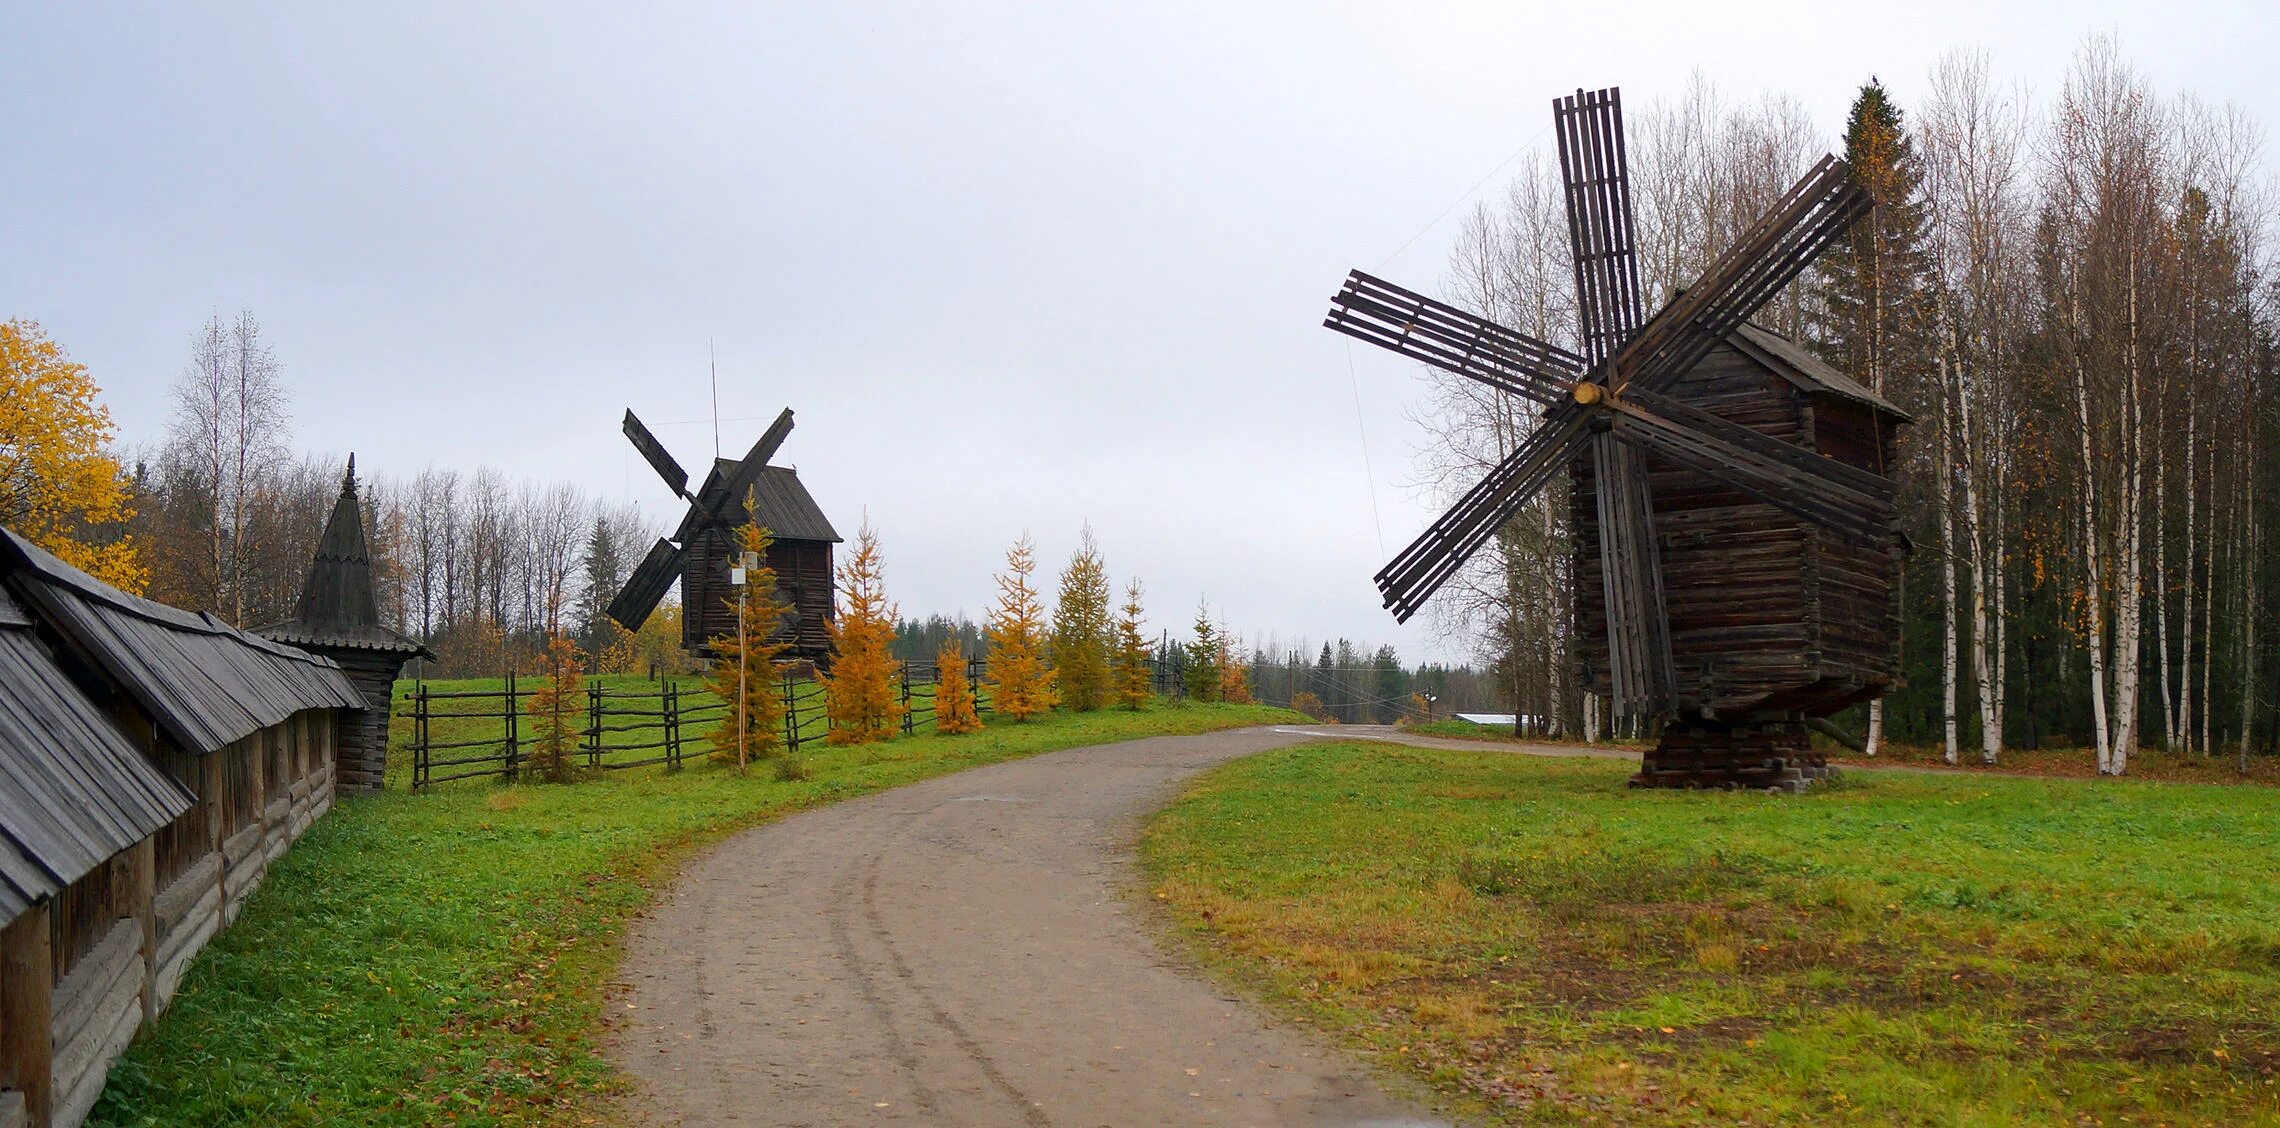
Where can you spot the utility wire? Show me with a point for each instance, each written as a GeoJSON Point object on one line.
{"type": "Point", "coordinates": [1355, 382]}
{"type": "Point", "coordinates": [1530, 143]}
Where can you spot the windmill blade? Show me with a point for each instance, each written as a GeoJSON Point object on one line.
{"type": "Point", "coordinates": [1390, 317]}
{"type": "Point", "coordinates": [1443, 547]}
{"type": "Point", "coordinates": [646, 585]}
{"type": "Point", "coordinates": [1602, 231]}
{"type": "Point", "coordinates": [1630, 575]}
{"type": "Point", "coordinates": [1816, 212]}
{"type": "Point", "coordinates": [755, 460]}
{"type": "Point", "coordinates": [654, 453]}
{"type": "Point", "coordinates": [1816, 489]}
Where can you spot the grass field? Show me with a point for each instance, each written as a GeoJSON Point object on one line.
{"type": "Point", "coordinates": [443, 957]}
{"type": "Point", "coordinates": [1545, 946]}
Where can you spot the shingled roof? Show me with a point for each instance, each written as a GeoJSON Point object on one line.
{"type": "Point", "coordinates": [337, 607]}
{"type": "Point", "coordinates": [1808, 372]}
{"type": "Point", "coordinates": [781, 504]}
{"type": "Point", "coordinates": [203, 682]}
{"type": "Point", "coordinates": [73, 790]}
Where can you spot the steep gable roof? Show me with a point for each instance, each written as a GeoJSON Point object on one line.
{"type": "Point", "coordinates": [781, 504]}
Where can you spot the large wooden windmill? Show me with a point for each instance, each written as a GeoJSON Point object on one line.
{"type": "Point", "coordinates": [701, 551]}
{"type": "Point", "coordinates": [1737, 564]}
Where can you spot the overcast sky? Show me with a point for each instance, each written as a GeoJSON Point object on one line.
{"type": "Point", "coordinates": [1015, 266]}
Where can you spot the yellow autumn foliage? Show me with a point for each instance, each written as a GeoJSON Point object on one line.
{"type": "Point", "coordinates": [58, 486]}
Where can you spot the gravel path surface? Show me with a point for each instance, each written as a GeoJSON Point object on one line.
{"type": "Point", "coordinates": [965, 951]}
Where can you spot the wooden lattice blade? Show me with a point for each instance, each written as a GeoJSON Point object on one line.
{"type": "Point", "coordinates": [1602, 231]}
{"type": "Point", "coordinates": [650, 580]}
{"type": "Point", "coordinates": [1437, 553]}
{"type": "Point", "coordinates": [1813, 215]}
{"type": "Point", "coordinates": [748, 471]}
{"type": "Point", "coordinates": [654, 453]}
{"type": "Point", "coordinates": [1390, 317]}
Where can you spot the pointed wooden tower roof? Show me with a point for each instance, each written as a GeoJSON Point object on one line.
{"type": "Point", "coordinates": [337, 608]}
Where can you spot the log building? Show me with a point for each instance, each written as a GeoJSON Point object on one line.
{"type": "Point", "coordinates": [153, 764]}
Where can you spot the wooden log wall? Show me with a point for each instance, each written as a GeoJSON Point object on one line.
{"type": "Point", "coordinates": [1770, 756]}
{"type": "Point", "coordinates": [803, 574]}
{"type": "Point", "coordinates": [1732, 583]}
{"type": "Point", "coordinates": [1855, 589]}
{"type": "Point", "coordinates": [80, 975]}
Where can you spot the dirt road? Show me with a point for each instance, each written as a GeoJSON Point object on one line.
{"type": "Point", "coordinates": [964, 951]}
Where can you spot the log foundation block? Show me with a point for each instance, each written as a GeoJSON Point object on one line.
{"type": "Point", "coordinates": [1772, 755]}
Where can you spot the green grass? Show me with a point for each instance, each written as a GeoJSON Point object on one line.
{"type": "Point", "coordinates": [443, 957]}
{"type": "Point", "coordinates": [1545, 946]}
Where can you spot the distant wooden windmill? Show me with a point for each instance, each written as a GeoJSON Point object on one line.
{"type": "Point", "coordinates": [702, 549]}
{"type": "Point", "coordinates": [1736, 558]}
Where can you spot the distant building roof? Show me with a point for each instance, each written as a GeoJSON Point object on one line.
{"type": "Point", "coordinates": [781, 504]}
{"type": "Point", "coordinates": [1805, 370]}
{"type": "Point", "coordinates": [337, 607]}
{"type": "Point", "coordinates": [205, 683]}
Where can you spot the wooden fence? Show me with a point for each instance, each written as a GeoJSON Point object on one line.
{"type": "Point", "coordinates": [472, 733]}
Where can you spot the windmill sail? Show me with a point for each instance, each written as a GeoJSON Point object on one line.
{"type": "Point", "coordinates": [654, 453]}
{"type": "Point", "coordinates": [647, 585]}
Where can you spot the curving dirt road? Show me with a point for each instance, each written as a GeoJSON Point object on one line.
{"type": "Point", "coordinates": [962, 951]}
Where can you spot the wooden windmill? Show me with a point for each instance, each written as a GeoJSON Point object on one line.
{"type": "Point", "coordinates": [701, 551]}
{"type": "Point", "coordinates": [1737, 564]}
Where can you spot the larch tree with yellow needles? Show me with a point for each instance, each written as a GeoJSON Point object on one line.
{"type": "Point", "coordinates": [557, 710]}
{"type": "Point", "coordinates": [1081, 629]}
{"type": "Point", "coordinates": [744, 670]}
{"type": "Point", "coordinates": [1020, 682]}
{"type": "Point", "coordinates": [954, 710]}
{"type": "Point", "coordinates": [59, 488]}
{"type": "Point", "coordinates": [860, 695]}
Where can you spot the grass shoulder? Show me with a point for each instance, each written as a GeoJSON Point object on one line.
{"type": "Point", "coordinates": [444, 957]}
{"type": "Point", "coordinates": [1545, 946]}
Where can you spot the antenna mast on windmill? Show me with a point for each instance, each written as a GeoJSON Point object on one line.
{"type": "Point", "coordinates": [1735, 551]}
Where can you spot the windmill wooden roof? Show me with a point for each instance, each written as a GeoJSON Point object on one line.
{"type": "Point", "coordinates": [781, 504]}
{"type": "Point", "coordinates": [73, 790]}
{"type": "Point", "coordinates": [1809, 373]}
{"type": "Point", "coordinates": [203, 682]}
{"type": "Point", "coordinates": [337, 608]}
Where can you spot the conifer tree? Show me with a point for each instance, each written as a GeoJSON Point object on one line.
{"type": "Point", "coordinates": [1132, 679]}
{"type": "Point", "coordinates": [1203, 658]}
{"type": "Point", "coordinates": [859, 695]}
{"type": "Point", "coordinates": [1875, 287]}
{"type": "Point", "coordinates": [556, 710]}
{"type": "Point", "coordinates": [1081, 629]}
{"type": "Point", "coordinates": [764, 641]}
{"type": "Point", "coordinates": [954, 710]}
{"type": "Point", "coordinates": [1020, 681]}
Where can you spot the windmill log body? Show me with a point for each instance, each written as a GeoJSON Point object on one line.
{"type": "Point", "coordinates": [703, 547]}
{"type": "Point", "coordinates": [1736, 559]}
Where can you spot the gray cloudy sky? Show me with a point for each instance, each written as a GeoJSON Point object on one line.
{"type": "Point", "coordinates": [1016, 266]}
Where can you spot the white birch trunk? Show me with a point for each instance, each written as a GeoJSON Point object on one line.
{"type": "Point", "coordinates": [2094, 578]}
{"type": "Point", "coordinates": [2129, 597]}
{"type": "Point", "coordinates": [2161, 588]}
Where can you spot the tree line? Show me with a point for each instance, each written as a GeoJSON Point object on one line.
{"type": "Point", "coordinates": [2075, 300]}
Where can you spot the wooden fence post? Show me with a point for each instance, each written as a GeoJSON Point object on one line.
{"type": "Point", "coordinates": [669, 706]}
{"type": "Point", "coordinates": [594, 726]}
{"type": "Point", "coordinates": [27, 1015]}
{"type": "Point", "coordinates": [907, 726]}
{"type": "Point", "coordinates": [514, 742]}
{"type": "Point", "coordinates": [420, 767]}
{"type": "Point", "coordinates": [791, 718]}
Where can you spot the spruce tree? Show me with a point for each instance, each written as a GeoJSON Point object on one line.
{"type": "Point", "coordinates": [1132, 675]}
{"type": "Point", "coordinates": [1020, 681]}
{"type": "Point", "coordinates": [1081, 629]}
{"type": "Point", "coordinates": [1203, 658]}
{"type": "Point", "coordinates": [1876, 287]}
{"type": "Point", "coordinates": [860, 695]}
